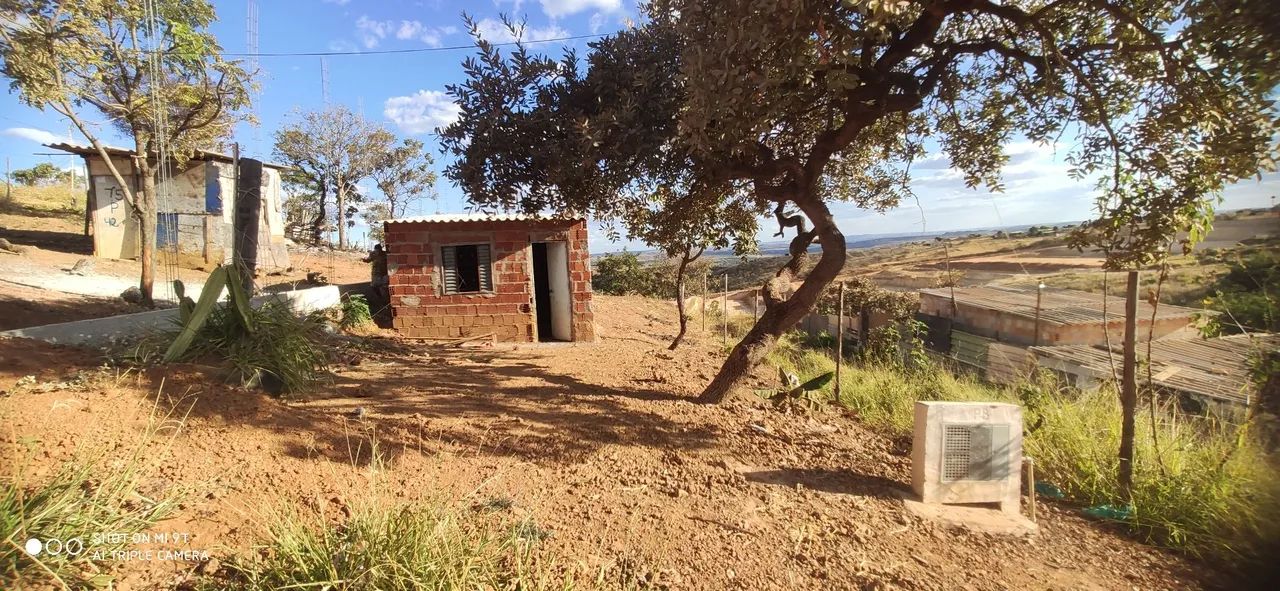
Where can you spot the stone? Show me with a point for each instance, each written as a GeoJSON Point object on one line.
{"type": "Point", "coordinates": [133, 295]}
{"type": "Point", "coordinates": [82, 267]}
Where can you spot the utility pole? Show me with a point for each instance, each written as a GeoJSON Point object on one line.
{"type": "Point", "coordinates": [1129, 386]}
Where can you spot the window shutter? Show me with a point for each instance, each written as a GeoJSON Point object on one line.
{"type": "Point", "coordinates": [484, 271]}
{"type": "Point", "coordinates": [449, 264]}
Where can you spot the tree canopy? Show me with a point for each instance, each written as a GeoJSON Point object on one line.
{"type": "Point", "coordinates": [40, 174]}
{"type": "Point", "coordinates": [332, 150]}
{"type": "Point", "coordinates": [761, 103]}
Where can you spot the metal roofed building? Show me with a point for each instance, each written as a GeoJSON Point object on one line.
{"type": "Point", "coordinates": [195, 206]}
{"type": "Point", "coordinates": [1212, 373]}
{"type": "Point", "coordinates": [514, 277]}
{"type": "Point", "coordinates": [1056, 317]}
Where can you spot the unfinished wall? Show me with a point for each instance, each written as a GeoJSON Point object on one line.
{"type": "Point", "coordinates": [1020, 329]}
{"type": "Point", "coordinates": [420, 309]}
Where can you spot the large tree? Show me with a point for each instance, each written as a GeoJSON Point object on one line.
{"type": "Point", "coordinates": [150, 67]}
{"type": "Point", "coordinates": [40, 174]}
{"type": "Point", "coordinates": [806, 103]}
{"type": "Point", "coordinates": [333, 150]}
{"type": "Point", "coordinates": [403, 174]}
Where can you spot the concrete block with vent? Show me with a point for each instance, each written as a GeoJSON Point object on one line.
{"type": "Point", "coordinates": [967, 452]}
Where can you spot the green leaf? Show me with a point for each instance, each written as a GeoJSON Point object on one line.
{"type": "Point", "coordinates": [199, 314]}
{"type": "Point", "coordinates": [818, 382]}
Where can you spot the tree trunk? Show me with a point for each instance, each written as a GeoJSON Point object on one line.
{"type": "Point", "coordinates": [782, 314]}
{"type": "Point", "coordinates": [1129, 387]}
{"type": "Point", "coordinates": [685, 259]}
{"type": "Point", "coordinates": [147, 220]}
{"type": "Point", "coordinates": [342, 213]}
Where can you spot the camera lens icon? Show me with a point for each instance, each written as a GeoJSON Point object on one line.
{"type": "Point", "coordinates": [54, 547]}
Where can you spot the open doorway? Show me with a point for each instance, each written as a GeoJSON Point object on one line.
{"type": "Point", "coordinates": [552, 298]}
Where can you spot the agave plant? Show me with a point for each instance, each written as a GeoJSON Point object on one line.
{"type": "Point", "coordinates": [795, 393]}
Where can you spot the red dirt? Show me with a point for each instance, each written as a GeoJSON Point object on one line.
{"type": "Point", "coordinates": [599, 444]}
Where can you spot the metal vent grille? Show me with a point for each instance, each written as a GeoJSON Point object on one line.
{"type": "Point", "coordinates": [956, 457]}
{"type": "Point", "coordinates": [975, 452]}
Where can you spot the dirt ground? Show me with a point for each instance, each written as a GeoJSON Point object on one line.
{"type": "Point", "coordinates": [599, 444]}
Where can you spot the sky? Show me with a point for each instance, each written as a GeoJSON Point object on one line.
{"type": "Point", "coordinates": [406, 93]}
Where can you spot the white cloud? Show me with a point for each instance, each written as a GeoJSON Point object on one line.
{"type": "Point", "coordinates": [342, 45]}
{"type": "Point", "coordinates": [494, 31]}
{"type": "Point", "coordinates": [372, 32]}
{"type": "Point", "coordinates": [597, 22]}
{"type": "Point", "coordinates": [36, 135]}
{"type": "Point", "coordinates": [559, 8]}
{"type": "Point", "coordinates": [338, 2]}
{"type": "Point", "coordinates": [421, 112]}
{"type": "Point", "coordinates": [430, 36]}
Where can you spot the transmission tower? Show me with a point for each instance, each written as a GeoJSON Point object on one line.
{"type": "Point", "coordinates": [324, 81]}
{"type": "Point", "coordinates": [251, 48]}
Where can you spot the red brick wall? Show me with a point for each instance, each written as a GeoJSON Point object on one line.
{"type": "Point", "coordinates": [419, 309]}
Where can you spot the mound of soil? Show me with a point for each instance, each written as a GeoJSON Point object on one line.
{"type": "Point", "coordinates": [600, 445]}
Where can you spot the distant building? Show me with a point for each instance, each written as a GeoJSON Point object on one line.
{"type": "Point", "coordinates": [515, 278]}
{"type": "Point", "coordinates": [1006, 333]}
{"type": "Point", "coordinates": [194, 207]}
{"type": "Point", "coordinates": [1206, 374]}
{"type": "Point", "coordinates": [1057, 317]}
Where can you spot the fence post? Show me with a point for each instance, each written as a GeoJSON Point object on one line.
{"type": "Point", "coordinates": [724, 333]}
{"type": "Point", "coordinates": [839, 339]}
{"type": "Point", "coordinates": [704, 302]}
{"type": "Point", "coordinates": [755, 304]}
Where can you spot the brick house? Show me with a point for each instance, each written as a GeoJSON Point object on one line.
{"type": "Point", "coordinates": [520, 278]}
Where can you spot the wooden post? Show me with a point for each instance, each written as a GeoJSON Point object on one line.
{"type": "Point", "coordinates": [839, 339]}
{"type": "Point", "coordinates": [1031, 487]}
{"type": "Point", "coordinates": [1039, 293]}
{"type": "Point", "coordinates": [704, 301]}
{"type": "Point", "coordinates": [755, 304]}
{"type": "Point", "coordinates": [208, 240]}
{"type": "Point", "coordinates": [724, 333]}
{"type": "Point", "coordinates": [1129, 386]}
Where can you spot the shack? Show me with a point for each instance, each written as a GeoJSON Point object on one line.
{"type": "Point", "coordinates": [1207, 375]}
{"type": "Point", "coordinates": [195, 204]}
{"type": "Point", "coordinates": [988, 329]}
{"type": "Point", "coordinates": [1052, 317]}
{"type": "Point", "coordinates": [511, 277]}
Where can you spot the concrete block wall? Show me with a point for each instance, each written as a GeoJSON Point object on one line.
{"type": "Point", "coordinates": [1018, 329]}
{"type": "Point", "coordinates": [420, 309]}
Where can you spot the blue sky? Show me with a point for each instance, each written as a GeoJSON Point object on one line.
{"type": "Point", "coordinates": [405, 92]}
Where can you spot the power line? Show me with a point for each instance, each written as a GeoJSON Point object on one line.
{"type": "Point", "coordinates": [413, 50]}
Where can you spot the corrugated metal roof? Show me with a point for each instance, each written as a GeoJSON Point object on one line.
{"type": "Point", "coordinates": [201, 155]}
{"type": "Point", "coordinates": [445, 218]}
{"type": "Point", "coordinates": [1057, 306]}
{"type": "Point", "coordinates": [1214, 368]}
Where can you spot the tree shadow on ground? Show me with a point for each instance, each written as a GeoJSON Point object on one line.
{"type": "Point", "coordinates": [21, 312]}
{"type": "Point", "coordinates": [68, 242]}
{"type": "Point", "coordinates": [428, 400]}
{"type": "Point", "coordinates": [847, 482]}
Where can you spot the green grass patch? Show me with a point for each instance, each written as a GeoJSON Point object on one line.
{"type": "Point", "coordinates": [96, 495]}
{"type": "Point", "coordinates": [1200, 486]}
{"type": "Point", "coordinates": [284, 352]}
{"type": "Point", "coordinates": [390, 546]}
